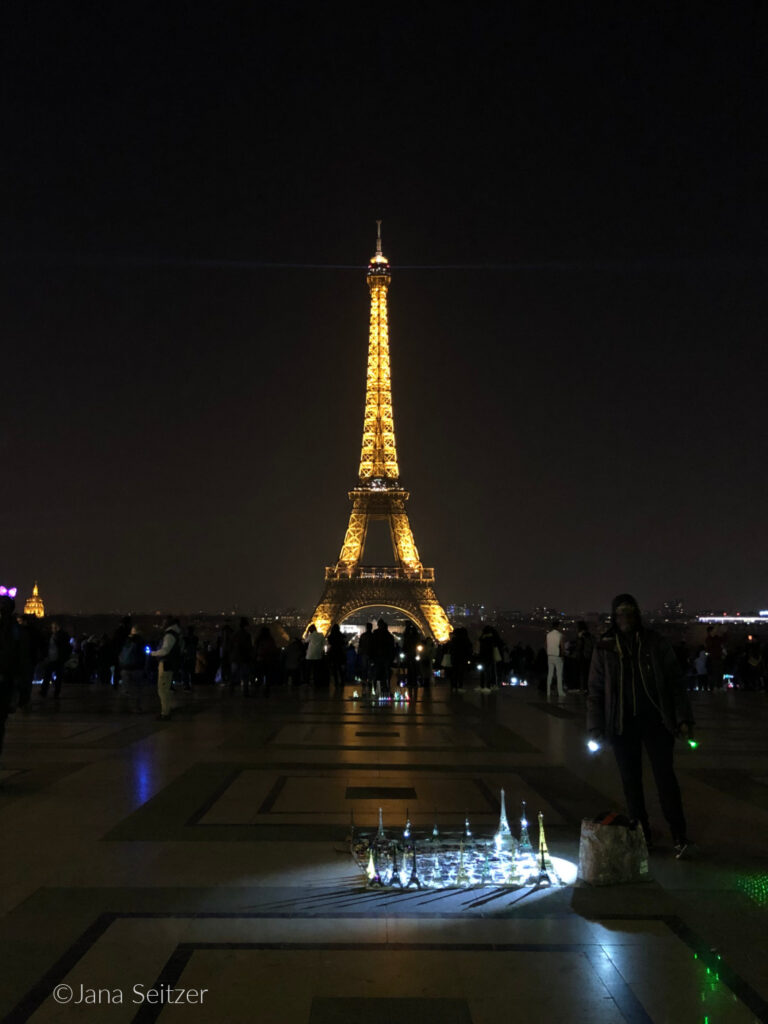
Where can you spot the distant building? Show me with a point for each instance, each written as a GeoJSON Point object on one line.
{"type": "Point", "coordinates": [34, 605]}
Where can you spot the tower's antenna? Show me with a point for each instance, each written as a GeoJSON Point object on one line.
{"type": "Point", "coordinates": [378, 238]}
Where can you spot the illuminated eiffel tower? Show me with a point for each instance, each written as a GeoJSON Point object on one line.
{"type": "Point", "coordinates": [406, 585]}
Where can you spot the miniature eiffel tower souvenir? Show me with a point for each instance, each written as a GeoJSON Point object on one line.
{"type": "Point", "coordinates": [396, 878]}
{"type": "Point", "coordinates": [526, 847]}
{"type": "Point", "coordinates": [547, 873]}
{"type": "Point", "coordinates": [414, 879]}
{"type": "Point", "coordinates": [407, 829]}
{"type": "Point", "coordinates": [436, 874]}
{"type": "Point", "coordinates": [372, 871]}
{"type": "Point", "coordinates": [462, 878]}
{"type": "Point", "coordinates": [504, 839]}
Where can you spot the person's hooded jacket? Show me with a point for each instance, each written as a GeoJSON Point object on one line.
{"type": "Point", "coordinates": [659, 675]}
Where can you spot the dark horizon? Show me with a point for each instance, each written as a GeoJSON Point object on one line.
{"type": "Point", "coordinates": [189, 207]}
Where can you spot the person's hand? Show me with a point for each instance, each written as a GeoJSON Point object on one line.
{"type": "Point", "coordinates": [685, 730]}
{"type": "Point", "coordinates": [596, 735]}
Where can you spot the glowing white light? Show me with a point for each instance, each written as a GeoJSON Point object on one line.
{"type": "Point", "coordinates": [566, 870]}
{"type": "Point", "coordinates": [593, 746]}
{"type": "Point", "coordinates": [479, 668]}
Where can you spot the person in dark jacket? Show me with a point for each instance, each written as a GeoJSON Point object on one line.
{"type": "Point", "coordinates": [585, 645]}
{"type": "Point", "coordinates": [489, 655]}
{"type": "Point", "coordinates": [31, 653]}
{"type": "Point", "coordinates": [637, 698]}
{"type": "Point", "coordinates": [382, 656]}
{"type": "Point", "coordinates": [266, 660]}
{"type": "Point", "coordinates": [9, 660]}
{"type": "Point", "coordinates": [132, 660]}
{"type": "Point", "coordinates": [364, 654]}
{"type": "Point", "coordinates": [242, 658]}
{"type": "Point", "coordinates": [337, 654]}
{"type": "Point", "coordinates": [58, 653]}
{"type": "Point", "coordinates": [460, 651]}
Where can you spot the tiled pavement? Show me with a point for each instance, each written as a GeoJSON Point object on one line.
{"type": "Point", "coordinates": [209, 853]}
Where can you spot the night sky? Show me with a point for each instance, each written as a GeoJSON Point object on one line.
{"type": "Point", "coordinates": [577, 203]}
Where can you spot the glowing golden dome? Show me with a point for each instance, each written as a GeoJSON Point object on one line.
{"type": "Point", "coordinates": [34, 605]}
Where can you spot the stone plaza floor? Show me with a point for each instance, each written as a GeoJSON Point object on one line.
{"type": "Point", "coordinates": [207, 855]}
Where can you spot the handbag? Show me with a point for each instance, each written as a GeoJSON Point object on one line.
{"type": "Point", "coordinates": [612, 851]}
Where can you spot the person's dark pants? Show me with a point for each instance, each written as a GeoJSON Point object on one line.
{"type": "Point", "coordinates": [715, 673]}
{"type": "Point", "coordinates": [53, 668]}
{"type": "Point", "coordinates": [659, 743]}
{"type": "Point", "coordinates": [241, 676]}
{"type": "Point", "coordinates": [381, 673]}
{"type": "Point", "coordinates": [456, 674]}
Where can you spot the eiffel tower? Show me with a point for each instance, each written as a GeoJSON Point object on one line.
{"type": "Point", "coordinates": [406, 585]}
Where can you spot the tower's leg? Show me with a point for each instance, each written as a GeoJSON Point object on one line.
{"type": "Point", "coordinates": [354, 539]}
{"type": "Point", "coordinates": [402, 540]}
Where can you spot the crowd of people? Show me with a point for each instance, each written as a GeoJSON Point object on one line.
{"type": "Point", "coordinates": [636, 682]}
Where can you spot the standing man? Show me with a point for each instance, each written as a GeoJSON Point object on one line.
{"type": "Point", "coordinates": [382, 655]}
{"type": "Point", "coordinates": [313, 659]}
{"type": "Point", "coordinates": [555, 659]}
{"type": "Point", "coordinates": [714, 648]}
{"type": "Point", "coordinates": [168, 657]}
{"type": "Point", "coordinates": [585, 645]}
{"type": "Point", "coordinates": [9, 659]}
{"type": "Point", "coordinates": [637, 699]}
{"type": "Point", "coordinates": [132, 660]}
{"type": "Point", "coordinates": [364, 654]}
{"type": "Point", "coordinates": [242, 658]}
{"type": "Point", "coordinates": [58, 654]}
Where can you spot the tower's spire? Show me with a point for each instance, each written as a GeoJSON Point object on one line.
{"type": "Point", "coordinates": [378, 458]}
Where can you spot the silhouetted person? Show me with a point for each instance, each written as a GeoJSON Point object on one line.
{"type": "Point", "coordinates": [313, 659]}
{"type": "Point", "coordinates": [132, 661]}
{"type": "Point", "coordinates": [168, 657]}
{"type": "Point", "coordinates": [337, 654]}
{"type": "Point", "coordinates": [585, 645]}
{"type": "Point", "coordinates": [364, 653]}
{"type": "Point", "coordinates": [382, 656]}
{"type": "Point", "coordinates": [637, 699]}
{"type": "Point", "coordinates": [266, 659]}
{"type": "Point", "coordinates": [58, 654]}
{"type": "Point", "coordinates": [714, 648]}
{"type": "Point", "coordinates": [31, 653]}
{"type": "Point", "coordinates": [488, 656]}
{"type": "Point", "coordinates": [294, 661]}
{"type": "Point", "coordinates": [225, 653]}
{"type": "Point", "coordinates": [242, 658]}
{"type": "Point", "coordinates": [411, 642]}
{"type": "Point", "coordinates": [460, 652]}
{"type": "Point", "coordinates": [121, 634]}
{"type": "Point", "coordinates": [189, 644]}
{"type": "Point", "coordinates": [9, 660]}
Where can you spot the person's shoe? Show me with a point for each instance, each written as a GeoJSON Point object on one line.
{"type": "Point", "coordinates": [685, 850]}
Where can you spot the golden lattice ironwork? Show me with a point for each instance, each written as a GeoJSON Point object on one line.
{"type": "Point", "coordinates": [407, 585]}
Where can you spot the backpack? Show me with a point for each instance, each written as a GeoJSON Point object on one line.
{"type": "Point", "coordinates": [132, 654]}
